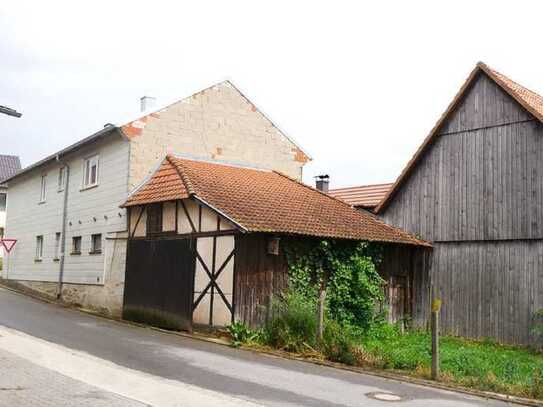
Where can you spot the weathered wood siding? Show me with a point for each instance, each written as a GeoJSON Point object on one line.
{"type": "Point", "coordinates": [257, 275]}
{"type": "Point", "coordinates": [477, 194]}
{"type": "Point", "coordinates": [412, 264]}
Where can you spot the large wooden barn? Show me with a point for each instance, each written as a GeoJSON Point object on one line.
{"type": "Point", "coordinates": [205, 241]}
{"type": "Point", "coordinates": [475, 190]}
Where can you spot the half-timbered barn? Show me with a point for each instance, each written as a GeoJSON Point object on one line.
{"type": "Point", "coordinates": [475, 190]}
{"type": "Point", "coordinates": [205, 240]}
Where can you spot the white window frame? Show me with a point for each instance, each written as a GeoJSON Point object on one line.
{"type": "Point", "coordinates": [58, 237]}
{"type": "Point", "coordinates": [43, 188]}
{"type": "Point", "coordinates": [88, 163]}
{"type": "Point", "coordinates": [94, 249]}
{"type": "Point", "coordinates": [80, 240]}
{"type": "Point", "coordinates": [61, 179]}
{"type": "Point", "coordinates": [39, 247]}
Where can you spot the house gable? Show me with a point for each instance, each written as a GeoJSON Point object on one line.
{"type": "Point", "coordinates": [217, 123]}
{"type": "Point", "coordinates": [530, 101]}
{"type": "Point", "coordinates": [476, 176]}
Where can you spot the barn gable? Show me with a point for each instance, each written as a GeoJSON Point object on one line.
{"type": "Point", "coordinates": [487, 98]}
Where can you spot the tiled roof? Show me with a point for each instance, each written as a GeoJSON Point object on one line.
{"type": "Point", "coordinates": [365, 196]}
{"type": "Point", "coordinates": [264, 201]}
{"type": "Point", "coordinates": [528, 99]}
{"type": "Point", "coordinates": [9, 165]}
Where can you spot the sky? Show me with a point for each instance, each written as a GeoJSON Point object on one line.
{"type": "Point", "coordinates": [357, 84]}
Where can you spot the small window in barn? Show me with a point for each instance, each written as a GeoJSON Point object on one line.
{"type": "Point", "coordinates": [43, 187]}
{"type": "Point", "coordinates": [39, 248]}
{"type": "Point", "coordinates": [154, 218]}
{"type": "Point", "coordinates": [76, 245]}
{"type": "Point", "coordinates": [61, 178]}
{"type": "Point", "coordinates": [96, 243]}
{"type": "Point", "coordinates": [90, 172]}
{"type": "Point", "coordinates": [3, 200]}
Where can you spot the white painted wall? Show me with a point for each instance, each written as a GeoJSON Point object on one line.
{"type": "Point", "coordinates": [95, 210]}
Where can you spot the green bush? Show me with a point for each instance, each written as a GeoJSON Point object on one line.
{"type": "Point", "coordinates": [241, 334]}
{"type": "Point", "coordinates": [338, 343]}
{"type": "Point", "coordinates": [292, 323]}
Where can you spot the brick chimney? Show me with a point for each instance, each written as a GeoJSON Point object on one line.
{"type": "Point", "coordinates": [322, 182]}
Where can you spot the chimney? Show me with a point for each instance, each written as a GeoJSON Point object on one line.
{"type": "Point", "coordinates": [147, 103]}
{"type": "Point", "coordinates": [322, 182]}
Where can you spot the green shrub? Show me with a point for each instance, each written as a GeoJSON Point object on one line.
{"type": "Point", "coordinates": [241, 334]}
{"type": "Point", "coordinates": [338, 344]}
{"type": "Point", "coordinates": [292, 323]}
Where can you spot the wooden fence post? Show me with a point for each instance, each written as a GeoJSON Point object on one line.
{"type": "Point", "coordinates": [436, 306]}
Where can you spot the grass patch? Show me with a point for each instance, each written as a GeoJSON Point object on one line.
{"type": "Point", "coordinates": [484, 365]}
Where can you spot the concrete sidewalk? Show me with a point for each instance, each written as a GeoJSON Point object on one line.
{"type": "Point", "coordinates": [23, 383]}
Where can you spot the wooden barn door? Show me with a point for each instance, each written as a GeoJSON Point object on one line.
{"type": "Point", "coordinates": [159, 282]}
{"type": "Point", "coordinates": [398, 298]}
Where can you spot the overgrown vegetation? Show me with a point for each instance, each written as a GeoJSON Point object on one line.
{"type": "Point", "coordinates": [355, 331]}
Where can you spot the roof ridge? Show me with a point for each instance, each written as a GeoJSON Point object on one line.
{"type": "Point", "coordinates": [363, 186]}
{"type": "Point", "coordinates": [218, 162]}
{"type": "Point", "coordinates": [181, 172]}
{"type": "Point", "coordinates": [501, 79]}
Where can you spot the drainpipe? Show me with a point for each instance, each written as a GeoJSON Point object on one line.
{"type": "Point", "coordinates": [64, 217]}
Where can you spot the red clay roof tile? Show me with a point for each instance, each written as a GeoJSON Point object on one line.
{"type": "Point", "coordinates": [365, 196]}
{"type": "Point", "coordinates": [264, 201]}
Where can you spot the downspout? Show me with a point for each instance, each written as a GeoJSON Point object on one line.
{"type": "Point", "coordinates": [64, 217]}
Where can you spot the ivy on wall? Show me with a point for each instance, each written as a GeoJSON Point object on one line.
{"type": "Point", "coordinates": [346, 269]}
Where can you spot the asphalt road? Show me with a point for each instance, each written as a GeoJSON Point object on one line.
{"type": "Point", "coordinates": [251, 376]}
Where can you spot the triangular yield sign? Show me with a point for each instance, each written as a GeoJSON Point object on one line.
{"type": "Point", "coordinates": [8, 244]}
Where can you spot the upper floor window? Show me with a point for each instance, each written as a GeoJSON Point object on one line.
{"type": "Point", "coordinates": [3, 201]}
{"type": "Point", "coordinates": [154, 218]}
{"type": "Point", "coordinates": [90, 172]}
{"type": "Point", "coordinates": [61, 178]}
{"type": "Point", "coordinates": [43, 188]}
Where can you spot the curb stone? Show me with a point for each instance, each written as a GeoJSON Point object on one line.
{"type": "Point", "coordinates": [288, 356]}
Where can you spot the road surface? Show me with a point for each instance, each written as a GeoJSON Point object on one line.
{"type": "Point", "coordinates": [142, 365]}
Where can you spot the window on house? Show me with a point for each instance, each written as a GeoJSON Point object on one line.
{"type": "Point", "coordinates": [61, 178]}
{"type": "Point", "coordinates": [154, 218]}
{"type": "Point", "coordinates": [43, 188]}
{"type": "Point", "coordinates": [57, 246]}
{"type": "Point", "coordinates": [90, 172]}
{"type": "Point", "coordinates": [39, 247]}
{"type": "Point", "coordinates": [76, 245]}
{"type": "Point", "coordinates": [96, 243]}
{"type": "Point", "coordinates": [3, 199]}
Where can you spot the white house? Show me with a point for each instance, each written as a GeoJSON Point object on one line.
{"type": "Point", "coordinates": [9, 165]}
{"type": "Point", "coordinates": [64, 210]}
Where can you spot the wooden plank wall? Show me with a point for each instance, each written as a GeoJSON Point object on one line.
{"type": "Point", "coordinates": [257, 275]}
{"type": "Point", "coordinates": [490, 289]}
{"type": "Point", "coordinates": [410, 262]}
{"type": "Point", "coordinates": [477, 194]}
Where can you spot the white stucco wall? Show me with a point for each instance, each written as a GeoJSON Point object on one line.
{"type": "Point", "coordinates": [90, 211]}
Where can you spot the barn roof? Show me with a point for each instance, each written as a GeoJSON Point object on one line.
{"type": "Point", "coordinates": [263, 201]}
{"type": "Point", "coordinates": [365, 196]}
{"type": "Point", "coordinates": [528, 99]}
